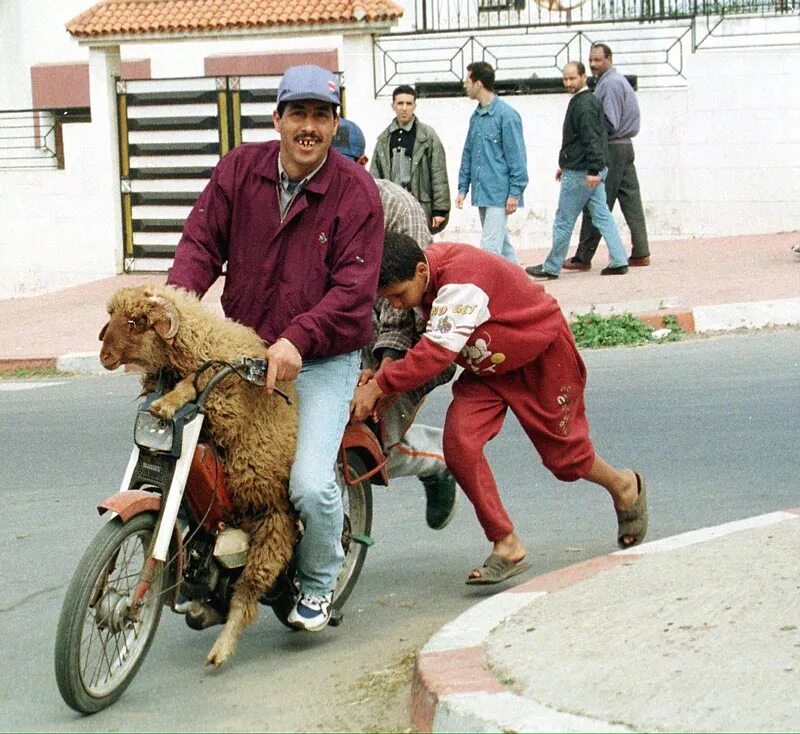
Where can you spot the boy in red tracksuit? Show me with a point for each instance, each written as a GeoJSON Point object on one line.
{"type": "Point", "coordinates": [517, 351]}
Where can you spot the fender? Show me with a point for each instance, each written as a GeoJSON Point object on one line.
{"type": "Point", "coordinates": [130, 503]}
{"type": "Point", "coordinates": [361, 440]}
{"type": "Point", "coordinates": [134, 502]}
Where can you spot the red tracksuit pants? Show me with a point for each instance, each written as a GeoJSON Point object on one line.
{"type": "Point", "coordinates": [546, 396]}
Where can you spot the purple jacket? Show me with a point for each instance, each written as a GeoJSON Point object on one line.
{"type": "Point", "coordinates": [310, 278]}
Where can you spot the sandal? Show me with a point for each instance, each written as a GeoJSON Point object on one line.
{"type": "Point", "coordinates": [633, 521]}
{"type": "Point", "coordinates": [496, 569]}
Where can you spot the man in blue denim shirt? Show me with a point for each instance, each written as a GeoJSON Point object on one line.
{"type": "Point", "coordinates": [493, 162]}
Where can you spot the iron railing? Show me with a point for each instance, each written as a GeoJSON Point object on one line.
{"type": "Point", "coordinates": [441, 16]}
{"type": "Point", "coordinates": [529, 42]}
{"type": "Point", "coordinates": [529, 61]}
{"type": "Point", "coordinates": [32, 139]}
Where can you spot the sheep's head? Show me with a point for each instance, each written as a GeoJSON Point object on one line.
{"type": "Point", "coordinates": [143, 323]}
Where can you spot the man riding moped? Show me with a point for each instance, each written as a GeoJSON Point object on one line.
{"type": "Point", "coordinates": [300, 230]}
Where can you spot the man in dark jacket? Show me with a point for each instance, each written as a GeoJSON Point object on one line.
{"type": "Point", "coordinates": [582, 172]}
{"type": "Point", "coordinates": [300, 228]}
{"type": "Point", "coordinates": [621, 111]}
{"type": "Point", "coordinates": [410, 154]}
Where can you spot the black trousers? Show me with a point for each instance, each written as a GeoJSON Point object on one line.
{"type": "Point", "coordinates": [622, 183]}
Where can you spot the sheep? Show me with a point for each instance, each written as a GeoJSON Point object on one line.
{"type": "Point", "coordinates": [161, 326]}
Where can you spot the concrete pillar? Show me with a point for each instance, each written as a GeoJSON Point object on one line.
{"type": "Point", "coordinates": [104, 67]}
{"type": "Point", "coordinates": [371, 116]}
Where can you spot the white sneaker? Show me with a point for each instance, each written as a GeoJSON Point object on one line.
{"type": "Point", "coordinates": [311, 612]}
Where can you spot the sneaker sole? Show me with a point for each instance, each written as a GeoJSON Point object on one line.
{"type": "Point", "coordinates": [302, 627]}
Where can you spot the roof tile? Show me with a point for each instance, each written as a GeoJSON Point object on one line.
{"type": "Point", "coordinates": [132, 17]}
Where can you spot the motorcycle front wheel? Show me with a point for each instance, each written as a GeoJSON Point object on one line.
{"type": "Point", "coordinates": [99, 648]}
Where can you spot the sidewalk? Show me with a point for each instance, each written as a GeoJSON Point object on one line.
{"type": "Point", "coordinates": [698, 632]}
{"type": "Point", "coordinates": [709, 284]}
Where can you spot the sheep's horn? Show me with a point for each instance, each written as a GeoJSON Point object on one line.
{"type": "Point", "coordinates": [171, 313]}
{"type": "Point", "coordinates": [174, 321]}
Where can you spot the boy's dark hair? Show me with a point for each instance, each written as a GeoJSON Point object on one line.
{"type": "Point", "coordinates": [400, 257]}
{"type": "Point", "coordinates": [604, 48]}
{"type": "Point", "coordinates": [404, 89]}
{"type": "Point", "coordinates": [480, 71]}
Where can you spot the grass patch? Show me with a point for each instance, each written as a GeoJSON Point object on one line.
{"type": "Point", "coordinates": [592, 331]}
{"type": "Point", "coordinates": [32, 373]}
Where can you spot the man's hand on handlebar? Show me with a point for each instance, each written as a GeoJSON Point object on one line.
{"type": "Point", "coordinates": [284, 363]}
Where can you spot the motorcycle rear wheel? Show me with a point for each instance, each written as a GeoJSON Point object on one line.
{"type": "Point", "coordinates": [98, 648]}
{"type": "Point", "coordinates": [357, 503]}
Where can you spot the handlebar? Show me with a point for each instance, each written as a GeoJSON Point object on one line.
{"type": "Point", "coordinates": [249, 369]}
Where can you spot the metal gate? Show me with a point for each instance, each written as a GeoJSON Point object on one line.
{"type": "Point", "coordinates": [172, 132]}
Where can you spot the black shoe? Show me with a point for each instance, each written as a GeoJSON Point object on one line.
{"type": "Point", "coordinates": [620, 270]}
{"type": "Point", "coordinates": [440, 496]}
{"type": "Point", "coordinates": [537, 271]}
{"type": "Point", "coordinates": [574, 264]}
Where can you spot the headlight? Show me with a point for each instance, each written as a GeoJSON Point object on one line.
{"type": "Point", "coordinates": [153, 433]}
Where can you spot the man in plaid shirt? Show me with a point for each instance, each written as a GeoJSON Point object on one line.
{"type": "Point", "coordinates": [413, 449]}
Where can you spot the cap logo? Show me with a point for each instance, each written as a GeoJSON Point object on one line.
{"type": "Point", "coordinates": [332, 85]}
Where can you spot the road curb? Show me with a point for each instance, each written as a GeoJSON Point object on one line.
{"type": "Point", "coordinates": [704, 319]}
{"type": "Point", "coordinates": [752, 315]}
{"type": "Point", "coordinates": [81, 362]}
{"type": "Point", "coordinates": [701, 319]}
{"type": "Point", "coordinates": [28, 363]}
{"type": "Point", "coordinates": [453, 687]}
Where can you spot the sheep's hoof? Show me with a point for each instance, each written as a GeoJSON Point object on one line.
{"type": "Point", "coordinates": [219, 654]}
{"type": "Point", "coordinates": [161, 409]}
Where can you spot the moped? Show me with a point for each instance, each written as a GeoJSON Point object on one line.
{"type": "Point", "coordinates": [169, 541]}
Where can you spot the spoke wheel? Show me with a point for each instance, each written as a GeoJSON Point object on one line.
{"type": "Point", "coordinates": [357, 501]}
{"type": "Point", "coordinates": [99, 646]}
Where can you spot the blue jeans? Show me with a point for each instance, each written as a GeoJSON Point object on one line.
{"type": "Point", "coordinates": [324, 390]}
{"type": "Point", "coordinates": [494, 221]}
{"type": "Point", "coordinates": [574, 195]}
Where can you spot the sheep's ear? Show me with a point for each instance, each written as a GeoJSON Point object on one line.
{"type": "Point", "coordinates": [103, 332]}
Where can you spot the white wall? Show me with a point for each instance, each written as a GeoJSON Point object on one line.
{"type": "Point", "coordinates": [718, 156]}
{"type": "Point", "coordinates": [32, 32]}
{"type": "Point", "coordinates": [49, 238]}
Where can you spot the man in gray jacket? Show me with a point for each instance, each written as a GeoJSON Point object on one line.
{"type": "Point", "coordinates": [410, 154]}
{"type": "Point", "coordinates": [621, 111]}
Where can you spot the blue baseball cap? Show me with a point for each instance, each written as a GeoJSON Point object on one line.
{"type": "Point", "coordinates": [349, 140]}
{"type": "Point", "coordinates": [308, 82]}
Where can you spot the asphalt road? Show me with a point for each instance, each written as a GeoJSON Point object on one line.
{"type": "Point", "coordinates": [712, 424]}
